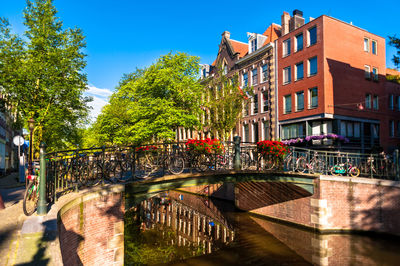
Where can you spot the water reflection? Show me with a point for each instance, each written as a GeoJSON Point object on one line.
{"type": "Point", "coordinates": [184, 229]}
{"type": "Point", "coordinates": [173, 226]}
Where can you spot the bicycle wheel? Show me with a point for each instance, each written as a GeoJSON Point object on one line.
{"type": "Point", "coordinates": [336, 170]}
{"type": "Point", "coordinates": [30, 199]}
{"type": "Point", "coordinates": [245, 160]}
{"type": "Point", "coordinates": [301, 164]}
{"type": "Point", "coordinates": [203, 162]}
{"type": "Point", "coordinates": [176, 165]}
{"type": "Point", "coordinates": [143, 168]}
{"type": "Point", "coordinates": [354, 171]}
{"type": "Point", "coordinates": [318, 166]}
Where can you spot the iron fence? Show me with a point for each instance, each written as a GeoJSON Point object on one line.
{"type": "Point", "coordinates": [74, 169]}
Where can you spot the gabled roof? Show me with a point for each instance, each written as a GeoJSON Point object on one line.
{"type": "Point", "coordinates": [273, 32]}
{"type": "Point", "coordinates": [240, 47]}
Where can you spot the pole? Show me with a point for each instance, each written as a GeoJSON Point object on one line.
{"type": "Point", "coordinates": [397, 163]}
{"type": "Point", "coordinates": [30, 168]}
{"type": "Point", "coordinates": [236, 163]}
{"type": "Point", "coordinates": [42, 204]}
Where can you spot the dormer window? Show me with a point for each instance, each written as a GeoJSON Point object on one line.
{"type": "Point", "coordinates": [253, 45]}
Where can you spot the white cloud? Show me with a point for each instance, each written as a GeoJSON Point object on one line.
{"type": "Point", "coordinates": [96, 104]}
{"type": "Point", "coordinates": [100, 98]}
{"type": "Point", "coordinates": [92, 90]}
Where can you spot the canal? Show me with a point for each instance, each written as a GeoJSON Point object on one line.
{"type": "Point", "coordinates": [177, 228]}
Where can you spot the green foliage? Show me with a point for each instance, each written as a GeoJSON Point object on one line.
{"type": "Point", "coordinates": [395, 42]}
{"type": "Point", "coordinates": [149, 104]}
{"type": "Point", "coordinates": [393, 78]}
{"type": "Point", "coordinates": [224, 103]}
{"type": "Point", "coordinates": [41, 76]}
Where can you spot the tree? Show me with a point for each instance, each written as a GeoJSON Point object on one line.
{"type": "Point", "coordinates": [224, 103]}
{"type": "Point", "coordinates": [151, 103]}
{"type": "Point", "coordinates": [41, 76]}
{"type": "Point", "coordinates": [395, 42]}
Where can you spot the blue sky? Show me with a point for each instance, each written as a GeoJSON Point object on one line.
{"type": "Point", "coordinates": [124, 34]}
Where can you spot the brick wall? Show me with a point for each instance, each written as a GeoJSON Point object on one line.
{"type": "Point", "coordinates": [92, 232]}
{"type": "Point", "coordinates": [341, 203]}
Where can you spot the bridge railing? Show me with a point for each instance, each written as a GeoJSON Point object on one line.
{"type": "Point", "coordinates": [75, 169]}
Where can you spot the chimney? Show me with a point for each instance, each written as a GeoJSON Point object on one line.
{"type": "Point", "coordinates": [297, 20]}
{"type": "Point", "coordinates": [226, 34]}
{"type": "Point", "coordinates": [285, 18]}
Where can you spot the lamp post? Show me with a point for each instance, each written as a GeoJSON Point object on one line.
{"type": "Point", "coordinates": [31, 124]}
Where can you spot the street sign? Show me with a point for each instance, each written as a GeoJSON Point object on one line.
{"type": "Point", "coordinates": [18, 140]}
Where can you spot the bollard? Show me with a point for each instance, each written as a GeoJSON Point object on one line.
{"type": "Point", "coordinates": [236, 164]}
{"type": "Point", "coordinates": [42, 204]}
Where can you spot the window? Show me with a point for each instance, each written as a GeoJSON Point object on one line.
{"type": "Point", "coordinates": [375, 131]}
{"type": "Point", "coordinates": [313, 98]}
{"type": "Point", "coordinates": [398, 128]}
{"type": "Point", "coordinates": [246, 133]}
{"type": "Point", "coordinates": [253, 45]}
{"type": "Point", "coordinates": [312, 66]}
{"type": "Point", "coordinates": [367, 72]}
{"type": "Point", "coordinates": [287, 104]}
{"type": "Point", "coordinates": [287, 73]}
{"type": "Point", "coordinates": [286, 48]}
{"type": "Point", "coordinates": [245, 80]}
{"type": "Point", "coordinates": [368, 101]}
{"type": "Point", "coordinates": [398, 103]}
{"type": "Point", "coordinates": [255, 132]}
{"type": "Point", "coordinates": [375, 73]}
{"type": "Point", "coordinates": [391, 102]}
{"type": "Point", "coordinates": [300, 101]}
{"type": "Point", "coordinates": [366, 45]}
{"type": "Point", "coordinates": [312, 36]}
{"type": "Point", "coordinates": [265, 73]}
{"type": "Point", "coordinates": [350, 129]}
{"type": "Point", "coordinates": [391, 128]}
{"type": "Point", "coordinates": [374, 47]}
{"type": "Point", "coordinates": [376, 102]}
{"type": "Point", "coordinates": [293, 131]}
{"type": "Point", "coordinates": [265, 130]}
{"type": "Point", "coordinates": [255, 104]}
{"type": "Point", "coordinates": [254, 78]}
{"type": "Point", "coordinates": [246, 109]}
{"type": "Point", "coordinates": [299, 42]}
{"type": "Point", "coordinates": [265, 101]}
{"type": "Point", "coordinates": [299, 71]}
{"type": "Point", "coordinates": [225, 69]}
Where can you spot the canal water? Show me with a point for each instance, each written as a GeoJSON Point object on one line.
{"type": "Point", "coordinates": [177, 228]}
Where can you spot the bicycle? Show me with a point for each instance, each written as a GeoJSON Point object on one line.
{"type": "Point", "coordinates": [345, 168]}
{"type": "Point", "coordinates": [31, 195]}
{"type": "Point", "coordinates": [316, 165]}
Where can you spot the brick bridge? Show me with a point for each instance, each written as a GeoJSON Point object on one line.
{"type": "Point", "coordinates": [321, 202]}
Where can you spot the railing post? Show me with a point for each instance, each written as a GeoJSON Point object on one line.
{"type": "Point", "coordinates": [42, 204]}
{"type": "Point", "coordinates": [371, 165]}
{"type": "Point", "coordinates": [397, 164]}
{"type": "Point", "coordinates": [103, 149]}
{"type": "Point", "coordinates": [236, 164]}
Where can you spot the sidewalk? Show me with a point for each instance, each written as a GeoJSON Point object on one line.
{"type": "Point", "coordinates": [27, 240]}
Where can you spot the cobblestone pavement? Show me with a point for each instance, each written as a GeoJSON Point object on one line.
{"type": "Point", "coordinates": [27, 240]}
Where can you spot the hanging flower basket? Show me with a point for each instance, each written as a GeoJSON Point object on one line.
{"type": "Point", "coordinates": [204, 146]}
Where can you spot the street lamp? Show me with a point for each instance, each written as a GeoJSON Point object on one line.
{"type": "Point", "coordinates": [31, 124]}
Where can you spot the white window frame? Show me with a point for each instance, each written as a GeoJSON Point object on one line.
{"type": "Point", "coordinates": [296, 101]}
{"type": "Point", "coordinates": [310, 98]}
{"type": "Point", "coordinates": [252, 76]}
{"type": "Point", "coordinates": [286, 47]}
{"type": "Point", "coordinates": [295, 42]}
{"type": "Point", "coordinates": [309, 36]}
{"type": "Point", "coordinates": [375, 73]}
{"type": "Point", "coordinates": [262, 73]}
{"type": "Point", "coordinates": [375, 102]}
{"type": "Point", "coordinates": [366, 49]}
{"type": "Point", "coordinates": [368, 99]}
{"type": "Point", "coordinates": [289, 75]}
{"type": "Point", "coordinates": [367, 71]}
{"type": "Point", "coordinates": [295, 71]}
{"type": "Point", "coordinates": [309, 66]}
{"type": "Point", "coordinates": [376, 47]}
{"type": "Point", "coordinates": [284, 104]}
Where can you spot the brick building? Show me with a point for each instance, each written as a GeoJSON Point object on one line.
{"type": "Point", "coordinates": [322, 77]}
{"type": "Point", "coordinates": [331, 79]}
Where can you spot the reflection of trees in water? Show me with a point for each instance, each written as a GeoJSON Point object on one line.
{"type": "Point", "coordinates": [162, 229]}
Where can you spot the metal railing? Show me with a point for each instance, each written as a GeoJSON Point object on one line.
{"type": "Point", "coordinates": [72, 170]}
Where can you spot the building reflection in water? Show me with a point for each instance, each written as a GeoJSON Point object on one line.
{"type": "Point", "coordinates": [191, 224]}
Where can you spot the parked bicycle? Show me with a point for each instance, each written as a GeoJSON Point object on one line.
{"type": "Point", "coordinates": [345, 168]}
{"type": "Point", "coordinates": [31, 195]}
{"type": "Point", "coordinates": [315, 165]}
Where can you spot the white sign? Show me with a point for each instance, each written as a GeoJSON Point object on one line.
{"type": "Point", "coordinates": [18, 140]}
